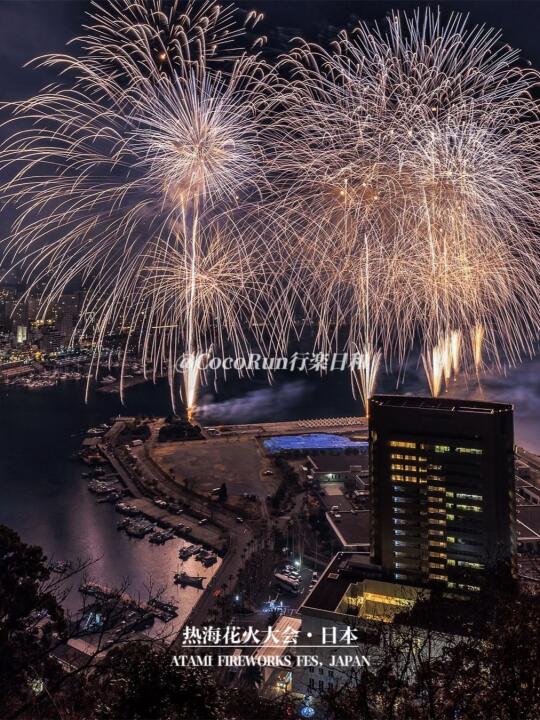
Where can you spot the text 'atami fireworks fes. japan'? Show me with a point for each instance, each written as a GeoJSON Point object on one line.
{"type": "Point", "coordinates": [386, 187]}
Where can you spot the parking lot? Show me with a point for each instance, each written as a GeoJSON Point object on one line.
{"type": "Point", "coordinates": [237, 461]}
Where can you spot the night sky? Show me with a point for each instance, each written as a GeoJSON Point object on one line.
{"type": "Point", "coordinates": [34, 27]}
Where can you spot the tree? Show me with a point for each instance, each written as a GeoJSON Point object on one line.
{"type": "Point", "coordinates": [488, 666]}
{"type": "Point", "coordinates": [139, 681]}
{"type": "Point", "coordinates": [27, 601]}
{"type": "Point", "coordinates": [34, 632]}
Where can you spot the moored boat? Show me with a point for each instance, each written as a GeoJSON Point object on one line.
{"type": "Point", "coordinates": [183, 578]}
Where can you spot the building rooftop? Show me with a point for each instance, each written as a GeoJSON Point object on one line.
{"type": "Point", "coordinates": [345, 568]}
{"type": "Point", "coordinates": [312, 442]}
{"type": "Point", "coordinates": [340, 463]}
{"type": "Point", "coordinates": [336, 588]}
{"type": "Point", "coordinates": [281, 629]}
{"type": "Point", "coordinates": [352, 528]}
{"type": "Point", "coordinates": [452, 405]}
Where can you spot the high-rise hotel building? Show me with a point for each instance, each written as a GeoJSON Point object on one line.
{"type": "Point", "coordinates": [442, 488]}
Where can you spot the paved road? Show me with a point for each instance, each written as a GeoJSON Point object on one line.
{"type": "Point", "coordinates": [122, 472]}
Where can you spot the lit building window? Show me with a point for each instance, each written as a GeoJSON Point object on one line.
{"type": "Point", "coordinates": [403, 478]}
{"type": "Point", "coordinates": [401, 444]}
{"type": "Point", "coordinates": [388, 599]}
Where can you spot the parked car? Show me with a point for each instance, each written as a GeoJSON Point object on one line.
{"type": "Point", "coordinates": [292, 576]}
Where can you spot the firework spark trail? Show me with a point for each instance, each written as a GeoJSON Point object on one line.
{"type": "Point", "coordinates": [152, 135]}
{"type": "Point", "coordinates": [417, 140]}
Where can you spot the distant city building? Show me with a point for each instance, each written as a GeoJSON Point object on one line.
{"type": "Point", "coordinates": [7, 293]}
{"type": "Point", "coordinates": [35, 310]}
{"type": "Point", "coordinates": [442, 490]}
{"type": "Point", "coordinates": [22, 334]}
{"type": "Point", "coordinates": [16, 314]}
{"type": "Point", "coordinates": [67, 313]}
{"type": "Point", "coordinates": [52, 341]}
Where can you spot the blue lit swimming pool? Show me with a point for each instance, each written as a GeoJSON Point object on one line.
{"type": "Point", "coordinates": [312, 442]}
